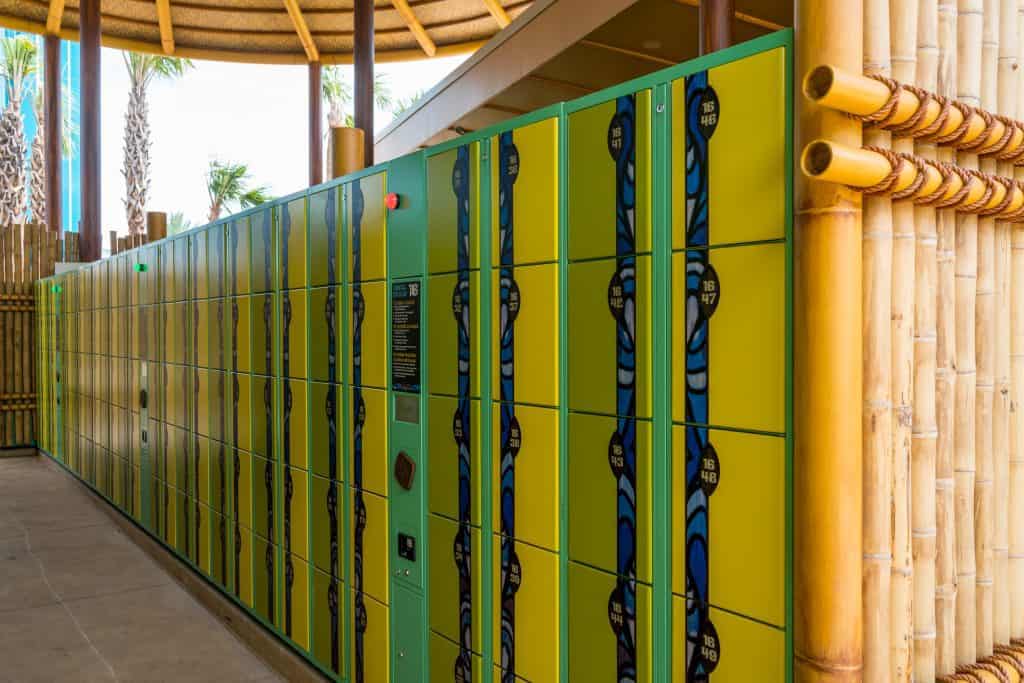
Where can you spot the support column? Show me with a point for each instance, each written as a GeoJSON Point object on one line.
{"type": "Point", "coordinates": [90, 241]}
{"type": "Point", "coordinates": [827, 356]}
{"type": "Point", "coordinates": [316, 122]}
{"type": "Point", "coordinates": [362, 58]}
{"type": "Point", "coordinates": [716, 24]}
{"type": "Point", "coordinates": [53, 148]}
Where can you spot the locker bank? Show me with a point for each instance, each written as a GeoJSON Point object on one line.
{"type": "Point", "coordinates": [512, 408]}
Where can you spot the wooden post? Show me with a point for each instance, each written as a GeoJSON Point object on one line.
{"type": "Point", "coordinates": [54, 120]}
{"type": "Point", "coordinates": [716, 24]}
{"type": "Point", "coordinates": [362, 58]}
{"type": "Point", "coordinates": [316, 122]}
{"type": "Point", "coordinates": [828, 622]}
{"type": "Point", "coordinates": [156, 225]}
{"type": "Point", "coordinates": [89, 133]}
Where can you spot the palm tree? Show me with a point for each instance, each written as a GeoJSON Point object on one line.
{"type": "Point", "coordinates": [403, 104]}
{"type": "Point", "coordinates": [37, 181]}
{"type": "Point", "coordinates": [337, 91]}
{"type": "Point", "coordinates": [17, 65]}
{"type": "Point", "coordinates": [142, 70]}
{"type": "Point", "coordinates": [177, 222]}
{"type": "Point", "coordinates": [229, 183]}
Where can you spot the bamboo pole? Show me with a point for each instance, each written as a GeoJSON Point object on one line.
{"type": "Point", "coordinates": [877, 423]}
{"type": "Point", "coordinates": [969, 30]}
{"type": "Point", "coordinates": [903, 19]}
{"type": "Point", "coordinates": [984, 324]}
{"type": "Point", "coordinates": [828, 630]}
{"type": "Point", "coordinates": [1016, 445]}
{"type": "Point", "coordinates": [1007, 101]}
{"type": "Point", "coordinates": [925, 427]}
{"type": "Point", "coordinates": [19, 369]}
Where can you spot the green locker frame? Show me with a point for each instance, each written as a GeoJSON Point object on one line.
{"type": "Point", "coordinates": [260, 445]}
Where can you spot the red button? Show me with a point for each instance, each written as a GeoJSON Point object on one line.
{"type": "Point", "coordinates": [392, 200]}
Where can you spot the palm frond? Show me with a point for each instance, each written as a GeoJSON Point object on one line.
{"type": "Point", "coordinates": [227, 183]}
{"type": "Point", "coordinates": [18, 62]}
{"type": "Point", "coordinates": [403, 104]}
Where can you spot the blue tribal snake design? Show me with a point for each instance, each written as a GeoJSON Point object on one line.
{"type": "Point", "coordinates": [358, 419]}
{"type": "Point", "coordinates": [698, 622]}
{"type": "Point", "coordinates": [235, 395]}
{"type": "Point", "coordinates": [622, 449]}
{"type": "Point", "coordinates": [511, 435]}
{"type": "Point", "coordinates": [461, 424]}
{"type": "Point", "coordinates": [289, 484]}
{"type": "Point", "coordinates": [268, 404]}
{"type": "Point", "coordinates": [331, 412]}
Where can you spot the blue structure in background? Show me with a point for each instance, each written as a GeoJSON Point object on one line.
{"type": "Point", "coordinates": [69, 63]}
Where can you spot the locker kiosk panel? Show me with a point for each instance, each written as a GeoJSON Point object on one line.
{"type": "Point", "coordinates": [453, 218]}
{"type": "Point", "coordinates": [328, 645]}
{"type": "Point", "coordinates": [610, 519]}
{"type": "Point", "coordinates": [454, 457]}
{"type": "Point", "coordinates": [326, 438]}
{"type": "Point", "coordinates": [367, 310]}
{"type": "Point", "coordinates": [730, 515]}
{"type": "Point", "coordinates": [524, 194]}
{"type": "Point", "coordinates": [525, 481]}
{"type": "Point", "coordinates": [526, 610]}
{"type": "Point", "coordinates": [454, 314]}
{"type": "Point", "coordinates": [609, 627]}
{"type": "Point", "coordinates": [745, 202]}
{"type": "Point", "coordinates": [447, 661]}
{"type": "Point", "coordinates": [742, 384]}
{"type": "Point", "coordinates": [369, 409]}
{"type": "Point", "coordinates": [736, 649]}
{"type": "Point", "coordinates": [609, 336]}
{"type": "Point", "coordinates": [365, 197]}
{"type": "Point", "coordinates": [455, 582]}
{"type": "Point", "coordinates": [528, 344]}
{"type": "Point", "coordinates": [326, 237]}
{"type": "Point", "coordinates": [292, 241]}
{"type": "Point", "coordinates": [609, 201]}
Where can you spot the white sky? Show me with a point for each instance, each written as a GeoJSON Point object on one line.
{"type": "Point", "coordinates": [247, 113]}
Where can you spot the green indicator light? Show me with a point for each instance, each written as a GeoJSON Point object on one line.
{"type": "Point", "coordinates": [140, 267]}
{"type": "Point", "coordinates": [55, 289]}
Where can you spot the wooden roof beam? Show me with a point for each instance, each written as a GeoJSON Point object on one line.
{"type": "Point", "coordinates": [163, 15]}
{"type": "Point", "coordinates": [54, 16]}
{"type": "Point", "coordinates": [305, 37]}
{"type": "Point", "coordinates": [498, 12]}
{"type": "Point", "coordinates": [415, 27]}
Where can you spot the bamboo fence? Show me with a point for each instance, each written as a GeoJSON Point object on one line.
{"type": "Point", "coordinates": [27, 253]}
{"type": "Point", "coordinates": [942, 291]}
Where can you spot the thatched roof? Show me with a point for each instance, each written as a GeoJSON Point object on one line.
{"type": "Point", "coordinates": [269, 31]}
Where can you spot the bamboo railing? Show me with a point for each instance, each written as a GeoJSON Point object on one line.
{"type": "Point", "coordinates": [27, 252]}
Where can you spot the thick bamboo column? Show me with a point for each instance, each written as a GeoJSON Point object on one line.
{"type": "Point", "coordinates": [362, 60]}
{"type": "Point", "coordinates": [828, 632]}
{"type": "Point", "coordinates": [1016, 492]}
{"type": "Point", "coordinates": [877, 382]}
{"type": "Point", "coordinates": [347, 149]}
{"type": "Point", "coordinates": [969, 29]}
{"type": "Point", "coordinates": [925, 428]}
{"type": "Point", "coordinates": [984, 345]}
{"type": "Point", "coordinates": [903, 28]}
{"type": "Point", "coordinates": [1007, 99]}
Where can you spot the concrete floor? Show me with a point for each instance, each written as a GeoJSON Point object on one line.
{"type": "Point", "coordinates": [79, 601]}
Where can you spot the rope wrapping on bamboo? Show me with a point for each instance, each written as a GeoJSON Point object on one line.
{"type": "Point", "coordinates": [1001, 207]}
{"type": "Point", "coordinates": [933, 199]}
{"type": "Point", "coordinates": [913, 188]}
{"type": "Point", "coordinates": [982, 201]}
{"type": "Point", "coordinates": [1005, 654]}
{"type": "Point", "coordinates": [959, 195]}
{"type": "Point", "coordinates": [886, 184]}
